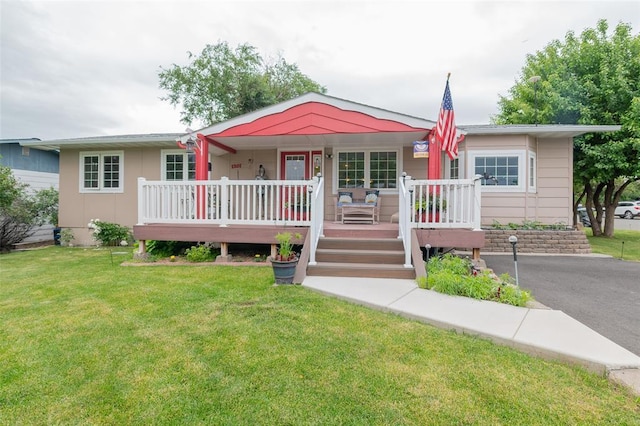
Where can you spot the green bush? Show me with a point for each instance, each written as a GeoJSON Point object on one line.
{"type": "Point", "coordinates": [21, 210]}
{"type": "Point", "coordinates": [452, 275]}
{"type": "Point", "coordinates": [110, 234]}
{"type": "Point", "coordinates": [199, 253]}
{"type": "Point", "coordinates": [160, 249]}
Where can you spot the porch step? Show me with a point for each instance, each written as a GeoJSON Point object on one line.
{"type": "Point", "coordinates": [351, 243]}
{"type": "Point", "coordinates": [360, 257]}
{"type": "Point", "coordinates": [361, 231]}
{"type": "Point", "coordinates": [363, 270]}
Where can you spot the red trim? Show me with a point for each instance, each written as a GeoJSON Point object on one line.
{"type": "Point", "coordinates": [434, 170]}
{"type": "Point", "coordinates": [220, 145]}
{"type": "Point", "coordinates": [307, 162]}
{"type": "Point", "coordinates": [315, 118]}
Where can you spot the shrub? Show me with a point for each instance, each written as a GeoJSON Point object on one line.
{"type": "Point", "coordinates": [161, 249]}
{"type": "Point", "coordinates": [66, 236]}
{"type": "Point", "coordinates": [21, 210]}
{"type": "Point", "coordinates": [199, 253]}
{"type": "Point", "coordinates": [110, 234]}
{"type": "Point", "coordinates": [452, 275]}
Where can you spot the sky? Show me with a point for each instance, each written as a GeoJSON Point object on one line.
{"type": "Point", "coordinates": [90, 68]}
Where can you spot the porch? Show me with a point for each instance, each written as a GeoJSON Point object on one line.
{"type": "Point", "coordinates": [240, 212]}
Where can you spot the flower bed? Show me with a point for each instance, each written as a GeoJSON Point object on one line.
{"type": "Point", "coordinates": [456, 276]}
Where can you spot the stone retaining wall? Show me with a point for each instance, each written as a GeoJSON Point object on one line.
{"type": "Point", "coordinates": [530, 241]}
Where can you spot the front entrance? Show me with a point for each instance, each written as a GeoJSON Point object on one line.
{"type": "Point", "coordinates": [298, 165]}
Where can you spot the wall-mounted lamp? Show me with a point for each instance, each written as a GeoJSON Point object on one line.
{"type": "Point", "coordinates": [329, 156]}
{"type": "Point", "coordinates": [250, 160]}
{"type": "Point", "coordinates": [192, 142]}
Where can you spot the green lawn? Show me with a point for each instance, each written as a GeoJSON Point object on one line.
{"type": "Point", "coordinates": [86, 341]}
{"type": "Point", "coordinates": [614, 246]}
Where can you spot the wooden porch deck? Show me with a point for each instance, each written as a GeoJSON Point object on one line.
{"type": "Point", "coordinates": [265, 234]}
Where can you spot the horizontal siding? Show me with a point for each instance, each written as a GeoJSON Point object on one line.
{"type": "Point", "coordinates": [37, 180]}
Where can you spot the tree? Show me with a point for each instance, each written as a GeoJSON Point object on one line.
{"type": "Point", "coordinates": [591, 79]}
{"type": "Point", "coordinates": [21, 211]}
{"type": "Point", "coordinates": [223, 83]}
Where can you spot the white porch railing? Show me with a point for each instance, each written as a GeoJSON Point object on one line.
{"type": "Point", "coordinates": [226, 202]}
{"type": "Point", "coordinates": [446, 203]}
{"type": "Point", "coordinates": [437, 204]}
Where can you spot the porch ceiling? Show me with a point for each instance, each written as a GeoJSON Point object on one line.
{"type": "Point", "coordinates": [334, 141]}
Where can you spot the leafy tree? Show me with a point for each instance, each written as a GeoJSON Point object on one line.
{"type": "Point", "coordinates": [222, 83]}
{"type": "Point", "coordinates": [21, 211]}
{"type": "Point", "coordinates": [591, 79]}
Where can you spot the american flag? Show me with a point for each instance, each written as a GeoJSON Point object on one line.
{"type": "Point", "coordinates": [446, 126]}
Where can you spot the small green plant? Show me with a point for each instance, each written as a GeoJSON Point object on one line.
{"type": "Point", "coordinates": [162, 249]}
{"type": "Point", "coordinates": [66, 236]}
{"type": "Point", "coordinates": [429, 203]}
{"type": "Point", "coordinates": [453, 275]}
{"type": "Point", "coordinates": [285, 250]}
{"type": "Point", "coordinates": [199, 253]}
{"type": "Point", "coordinates": [497, 225]}
{"type": "Point", "coordinates": [110, 234]}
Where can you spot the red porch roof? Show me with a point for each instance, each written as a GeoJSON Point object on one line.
{"type": "Point", "coordinates": [315, 118]}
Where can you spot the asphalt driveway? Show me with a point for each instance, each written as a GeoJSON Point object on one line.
{"type": "Point", "coordinates": [601, 292]}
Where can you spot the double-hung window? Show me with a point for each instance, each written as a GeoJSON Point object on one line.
{"type": "Point", "coordinates": [101, 171]}
{"type": "Point", "coordinates": [178, 165]}
{"type": "Point", "coordinates": [367, 169]}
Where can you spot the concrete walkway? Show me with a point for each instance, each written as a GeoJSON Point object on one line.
{"type": "Point", "coordinates": [539, 331]}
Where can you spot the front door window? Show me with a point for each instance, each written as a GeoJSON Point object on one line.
{"type": "Point", "coordinates": [295, 167]}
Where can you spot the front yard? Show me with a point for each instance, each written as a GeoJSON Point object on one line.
{"type": "Point", "coordinates": [85, 340]}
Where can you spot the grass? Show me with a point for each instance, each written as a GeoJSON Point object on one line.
{"type": "Point", "coordinates": [86, 341]}
{"type": "Point", "coordinates": [625, 244]}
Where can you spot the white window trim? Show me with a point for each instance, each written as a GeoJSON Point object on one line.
{"type": "Point", "coordinates": [100, 189]}
{"type": "Point", "coordinates": [532, 187]}
{"type": "Point", "coordinates": [367, 170]}
{"type": "Point", "coordinates": [522, 168]}
{"type": "Point", "coordinates": [163, 161]}
{"type": "Point", "coordinates": [461, 170]}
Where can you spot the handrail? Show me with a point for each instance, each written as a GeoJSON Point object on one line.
{"type": "Point", "coordinates": [404, 223]}
{"type": "Point", "coordinates": [317, 218]}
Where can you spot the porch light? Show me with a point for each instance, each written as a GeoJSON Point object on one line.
{"type": "Point", "coordinates": [191, 144]}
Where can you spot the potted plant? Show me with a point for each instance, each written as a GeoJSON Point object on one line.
{"type": "Point", "coordinates": [297, 209]}
{"type": "Point", "coordinates": [286, 260]}
{"type": "Point", "coordinates": [429, 207]}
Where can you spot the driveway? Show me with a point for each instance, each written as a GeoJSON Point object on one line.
{"type": "Point", "coordinates": [601, 292]}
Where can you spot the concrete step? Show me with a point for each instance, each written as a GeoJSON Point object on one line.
{"type": "Point", "coordinates": [364, 270]}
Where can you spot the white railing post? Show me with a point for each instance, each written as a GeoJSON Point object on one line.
{"type": "Point", "coordinates": [141, 200]}
{"type": "Point", "coordinates": [404, 219]}
{"type": "Point", "coordinates": [477, 203]}
{"type": "Point", "coordinates": [224, 200]}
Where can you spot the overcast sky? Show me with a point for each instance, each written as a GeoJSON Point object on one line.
{"type": "Point", "coordinates": [89, 68]}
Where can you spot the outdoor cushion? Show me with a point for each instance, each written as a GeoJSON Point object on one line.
{"type": "Point", "coordinates": [371, 199]}
{"type": "Point", "coordinates": [345, 197]}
